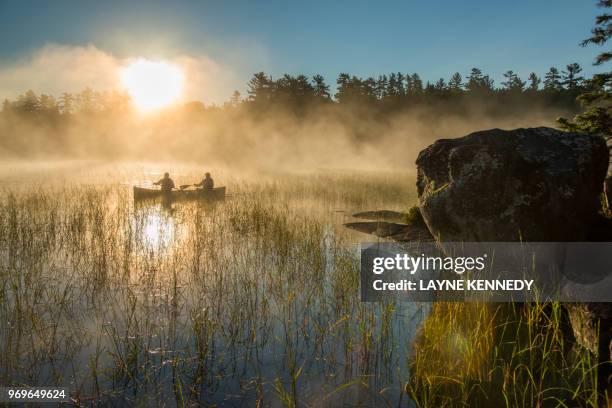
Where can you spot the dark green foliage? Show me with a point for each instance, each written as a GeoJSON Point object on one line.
{"type": "Point", "coordinates": [260, 87]}
{"type": "Point", "coordinates": [552, 80]}
{"type": "Point", "coordinates": [398, 91]}
{"type": "Point", "coordinates": [455, 84]}
{"type": "Point", "coordinates": [597, 115]}
{"type": "Point", "coordinates": [534, 82]}
{"type": "Point", "coordinates": [321, 89]}
{"type": "Point", "coordinates": [570, 77]}
{"type": "Point", "coordinates": [513, 83]}
{"type": "Point", "coordinates": [478, 82]}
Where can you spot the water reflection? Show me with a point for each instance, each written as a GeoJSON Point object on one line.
{"type": "Point", "coordinates": [235, 300]}
{"type": "Point", "coordinates": [161, 223]}
{"type": "Point", "coordinates": [156, 225]}
{"type": "Point", "coordinates": [158, 229]}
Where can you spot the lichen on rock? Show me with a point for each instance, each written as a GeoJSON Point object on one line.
{"type": "Point", "coordinates": [536, 184]}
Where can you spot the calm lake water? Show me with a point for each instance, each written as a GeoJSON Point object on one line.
{"type": "Point", "coordinates": [231, 303]}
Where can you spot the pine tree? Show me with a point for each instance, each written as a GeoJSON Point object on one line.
{"type": "Point", "coordinates": [235, 99]}
{"type": "Point", "coordinates": [513, 83]}
{"type": "Point", "coordinates": [321, 89]}
{"type": "Point", "coordinates": [478, 82]}
{"type": "Point", "coordinates": [28, 102]}
{"type": "Point", "coordinates": [343, 90]}
{"type": "Point", "coordinates": [381, 87]}
{"type": "Point", "coordinates": [455, 83]}
{"type": "Point", "coordinates": [392, 85]}
{"type": "Point", "coordinates": [534, 82]}
{"type": "Point", "coordinates": [260, 87]}
{"type": "Point", "coordinates": [409, 86]}
{"type": "Point", "coordinates": [66, 103]}
{"type": "Point", "coordinates": [571, 80]}
{"type": "Point", "coordinates": [47, 104]}
{"type": "Point", "coordinates": [368, 88]}
{"type": "Point", "coordinates": [417, 84]}
{"type": "Point", "coordinates": [400, 90]}
{"type": "Point", "coordinates": [597, 117]}
{"type": "Point", "coordinates": [302, 88]}
{"type": "Point", "coordinates": [474, 79]}
{"type": "Point", "coordinates": [552, 80]}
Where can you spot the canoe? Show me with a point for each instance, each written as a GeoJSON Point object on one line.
{"type": "Point", "coordinates": [141, 193]}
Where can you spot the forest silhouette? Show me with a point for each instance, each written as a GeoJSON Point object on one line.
{"type": "Point", "coordinates": [293, 115]}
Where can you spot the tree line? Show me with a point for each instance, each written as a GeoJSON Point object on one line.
{"type": "Point", "coordinates": [86, 101]}
{"type": "Point", "coordinates": [397, 85]}
{"type": "Point", "coordinates": [362, 111]}
{"type": "Point", "coordinates": [391, 90]}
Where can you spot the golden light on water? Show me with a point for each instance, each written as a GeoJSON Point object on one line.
{"type": "Point", "coordinates": [157, 230]}
{"type": "Point", "coordinates": [153, 85]}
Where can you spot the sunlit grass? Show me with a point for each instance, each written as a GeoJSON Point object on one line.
{"type": "Point", "coordinates": [252, 301]}
{"type": "Point", "coordinates": [506, 355]}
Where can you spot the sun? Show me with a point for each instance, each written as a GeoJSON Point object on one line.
{"type": "Point", "coordinates": [152, 85]}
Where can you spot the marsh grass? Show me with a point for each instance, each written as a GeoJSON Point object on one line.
{"type": "Point", "coordinates": [253, 301]}
{"type": "Point", "coordinates": [504, 355]}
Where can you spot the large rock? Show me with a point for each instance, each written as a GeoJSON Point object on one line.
{"type": "Point", "coordinates": [536, 184]}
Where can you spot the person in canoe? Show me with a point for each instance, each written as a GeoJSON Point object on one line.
{"type": "Point", "coordinates": [207, 183]}
{"type": "Point", "coordinates": [166, 183]}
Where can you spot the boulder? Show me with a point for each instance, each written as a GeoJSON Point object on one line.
{"type": "Point", "coordinates": [535, 184]}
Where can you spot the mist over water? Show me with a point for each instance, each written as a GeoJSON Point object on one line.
{"type": "Point", "coordinates": [232, 297]}
{"type": "Point", "coordinates": [244, 139]}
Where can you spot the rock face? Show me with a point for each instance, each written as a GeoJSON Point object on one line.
{"type": "Point", "coordinates": [536, 184]}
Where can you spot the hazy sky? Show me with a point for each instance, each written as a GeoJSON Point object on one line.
{"type": "Point", "coordinates": [233, 39]}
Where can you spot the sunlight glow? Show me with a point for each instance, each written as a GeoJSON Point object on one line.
{"type": "Point", "coordinates": [157, 230]}
{"type": "Point", "coordinates": [153, 84]}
